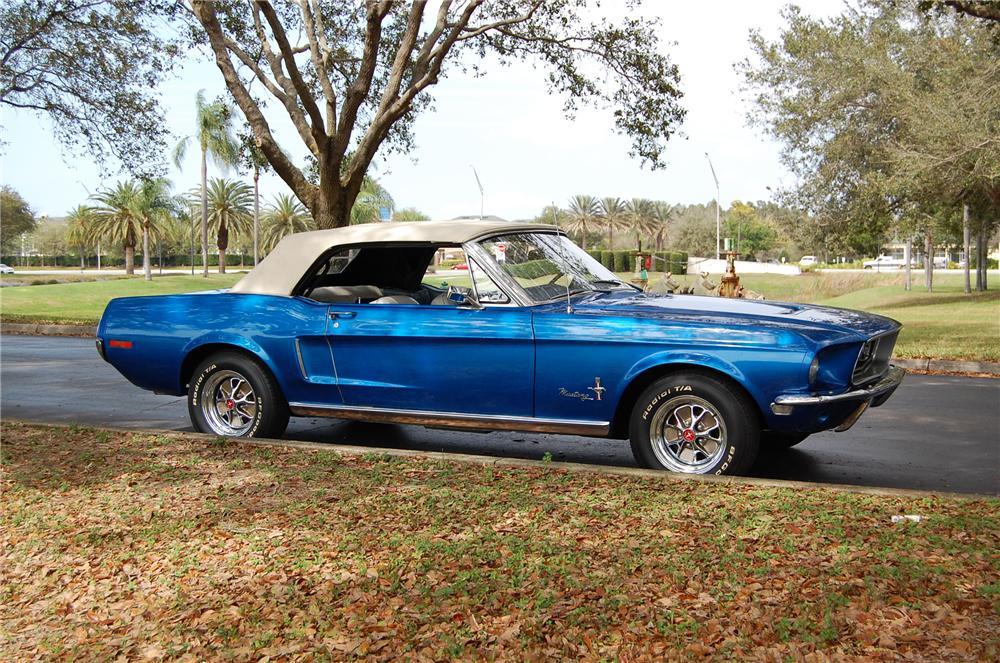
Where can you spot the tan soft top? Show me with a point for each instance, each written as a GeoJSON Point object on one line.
{"type": "Point", "coordinates": [283, 267]}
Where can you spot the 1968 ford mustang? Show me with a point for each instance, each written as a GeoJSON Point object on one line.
{"type": "Point", "coordinates": [346, 323]}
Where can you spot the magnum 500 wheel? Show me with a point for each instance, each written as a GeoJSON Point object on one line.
{"type": "Point", "coordinates": [696, 424]}
{"type": "Point", "coordinates": [233, 395]}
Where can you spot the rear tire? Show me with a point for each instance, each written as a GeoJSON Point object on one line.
{"type": "Point", "coordinates": [771, 441]}
{"type": "Point", "coordinates": [234, 395]}
{"type": "Point", "coordinates": [695, 424]}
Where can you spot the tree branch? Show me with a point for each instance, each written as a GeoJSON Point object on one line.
{"type": "Point", "coordinates": [358, 90]}
{"type": "Point", "coordinates": [319, 61]}
{"type": "Point", "coordinates": [294, 112]}
{"type": "Point", "coordinates": [306, 192]}
{"type": "Point", "coordinates": [304, 94]}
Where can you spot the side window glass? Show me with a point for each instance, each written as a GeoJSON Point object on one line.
{"type": "Point", "coordinates": [486, 290]}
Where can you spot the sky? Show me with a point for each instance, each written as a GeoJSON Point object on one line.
{"type": "Point", "coordinates": [505, 125]}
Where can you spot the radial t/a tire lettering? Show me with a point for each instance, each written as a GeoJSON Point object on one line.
{"type": "Point", "coordinates": [694, 423]}
{"type": "Point", "coordinates": [234, 395]}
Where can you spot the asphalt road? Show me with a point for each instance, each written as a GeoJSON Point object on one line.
{"type": "Point", "coordinates": [936, 433]}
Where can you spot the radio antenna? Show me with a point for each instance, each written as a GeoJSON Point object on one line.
{"type": "Point", "coordinates": [562, 257]}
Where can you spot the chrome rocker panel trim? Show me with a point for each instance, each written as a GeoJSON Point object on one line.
{"type": "Point", "coordinates": [891, 380]}
{"type": "Point", "coordinates": [453, 419]}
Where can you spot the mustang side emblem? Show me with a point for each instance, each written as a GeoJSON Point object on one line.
{"type": "Point", "coordinates": [597, 389]}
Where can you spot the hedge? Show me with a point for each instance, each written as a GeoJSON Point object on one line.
{"type": "Point", "coordinates": [118, 262]}
{"type": "Point", "coordinates": [608, 259]}
{"type": "Point", "coordinates": [623, 261]}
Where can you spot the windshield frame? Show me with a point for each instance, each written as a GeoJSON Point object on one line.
{"type": "Point", "coordinates": [514, 289]}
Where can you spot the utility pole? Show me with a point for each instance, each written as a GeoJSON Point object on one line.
{"type": "Point", "coordinates": [718, 223]}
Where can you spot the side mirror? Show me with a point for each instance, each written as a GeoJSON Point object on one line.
{"type": "Point", "coordinates": [462, 298]}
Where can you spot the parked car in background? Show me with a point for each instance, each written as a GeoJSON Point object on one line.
{"type": "Point", "coordinates": [884, 262]}
{"type": "Point", "coordinates": [342, 323]}
{"type": "Point", "coordinates": [808, 261]}
{"type": "Point", "coordinates": [4, 269]}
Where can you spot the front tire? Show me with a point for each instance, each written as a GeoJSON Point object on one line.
{"type": "Point", "coordinates": [234, 395]}
{"type": "Point", "coordinates": [695, 424]}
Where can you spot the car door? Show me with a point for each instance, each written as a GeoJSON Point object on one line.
{"type": "Point", "coordinates": [438, 357]}
{"type": "Point", "coordinates": [434, 358]}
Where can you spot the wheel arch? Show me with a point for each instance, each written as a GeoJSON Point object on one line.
{"type": "Point", "coordinates": [640, 381]}
{"type": "Point", "coordinates": [199, 353]}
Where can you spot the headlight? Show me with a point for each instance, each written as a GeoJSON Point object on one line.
{"type": "Point", "coordinates": [813, 371]}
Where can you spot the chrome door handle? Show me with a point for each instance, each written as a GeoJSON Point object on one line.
{"type": "Point", "coordinates": [343, 314]}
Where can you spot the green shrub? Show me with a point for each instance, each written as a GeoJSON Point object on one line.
{"type": "Point", "coordinates": [608, 259]}
{"type": "Point", "coordinates": [595, 254]}
{"type": "Point", "coordinates": [623, 261]}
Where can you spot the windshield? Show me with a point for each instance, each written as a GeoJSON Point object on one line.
{"type": "Point", "coordinates": [546, 265]}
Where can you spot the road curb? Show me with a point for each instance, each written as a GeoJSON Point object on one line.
{"type": "Point", "coordinates": [947, 366]}
{"type": "Point", "coordinates": [41, 329]}
{"type": "Point", "coordinates": [927, 365]}
{"type": "Point", "coordinates": [499, 461]}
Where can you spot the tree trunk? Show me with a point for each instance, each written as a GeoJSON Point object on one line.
{"type": "Point", "coordinates": [223, 244]}
{"type": "Point", "coordinates": [98, 255]}
{"type": "Point", "coordinates": [83, 265]}
{"type": "Point", "coordinates": [979, 260]}
{"type": "Point", "coordinates": [966, 247]}
{"type": "Point", "coordinates": [907, 257]}
{"type": "Point", "coordinates": [204, 212]}
{"type": "Point", "coordinates": [147, 271]}
{"type": "Point", "coordinates": [130, 259]}
{"type": "Point", "coordinates": [929, 261]}
{"type": "Point", "coordinates": [611, 239]}
{"type": "Point", "coordinates": [256, 211]}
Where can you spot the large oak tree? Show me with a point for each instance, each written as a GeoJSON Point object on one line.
{"type": "Point", "coordinates": [352, 75]}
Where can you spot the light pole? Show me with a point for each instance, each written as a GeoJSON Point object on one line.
{"type": "Point", "coordinates": [718, 224]}
{"type": "Point", "coordinates": [482, 196]}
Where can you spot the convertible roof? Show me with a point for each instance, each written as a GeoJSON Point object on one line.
{"type": "Point", "coordinates": [281, 270]}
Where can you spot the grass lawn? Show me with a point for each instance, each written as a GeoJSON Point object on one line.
{"type": "Point", "coordinates": [83, 303]}
{"type": "Point", "coordinates": [129, 545]}
{"type": "Point", "coordinates": [51, 279]}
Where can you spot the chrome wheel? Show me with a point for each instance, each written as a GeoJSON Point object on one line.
{"type": "Point", "coordinates": [229, 403]}
{"type": "Point", "coordinates": [688, 434]}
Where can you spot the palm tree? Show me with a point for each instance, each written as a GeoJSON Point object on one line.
{"type": "Point", "coordinates": [215, 138]}
{"type": "Point", "coordinates": [229, 211]}
{"type": "Point", "coordinates": [370, 201]}
{"type": "Point", "coordinates": [115, 220]}
{"type": "Point", "coordinates": [663, 213]}
{"type": "Point", "coordinates": [80, 230]}
{"type": "Point", "coordinates": [151, 207]}
{"type": "Point", "coordinates": [613, 214]}
{"type": "Point", "coordinates": [286, 216]}
{"type": "Point", "coordinates": [251, 155]}
{"type": "Point", "coordinates": [583, 213]}
{"type": "Point", "coordinates": [640, 218]}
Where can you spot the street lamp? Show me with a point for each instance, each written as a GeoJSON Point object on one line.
{"type": "Point", "coordinates": [718, 224]}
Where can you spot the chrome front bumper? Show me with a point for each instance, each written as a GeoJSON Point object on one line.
{"type": "Point", "coordinates": [786, 403]}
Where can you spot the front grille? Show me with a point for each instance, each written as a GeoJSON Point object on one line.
{"type": "Point", "coordinates": [873, 359]}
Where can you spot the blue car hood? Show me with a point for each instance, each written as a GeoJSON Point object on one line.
{"type": "Point", "coordinates": [724, 311]}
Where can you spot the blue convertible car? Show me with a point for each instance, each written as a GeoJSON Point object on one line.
{"type": "Point", "coordinates": [347, 323]}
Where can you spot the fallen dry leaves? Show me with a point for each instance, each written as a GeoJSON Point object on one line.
{"type": "Point", "coordinates": [138, 547]}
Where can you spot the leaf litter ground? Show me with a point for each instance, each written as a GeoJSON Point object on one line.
{"type": "Point", "coordinates": [138, 546]}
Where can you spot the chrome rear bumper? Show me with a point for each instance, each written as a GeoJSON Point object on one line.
{"type": "Point", "coordinates": [785, 404]}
